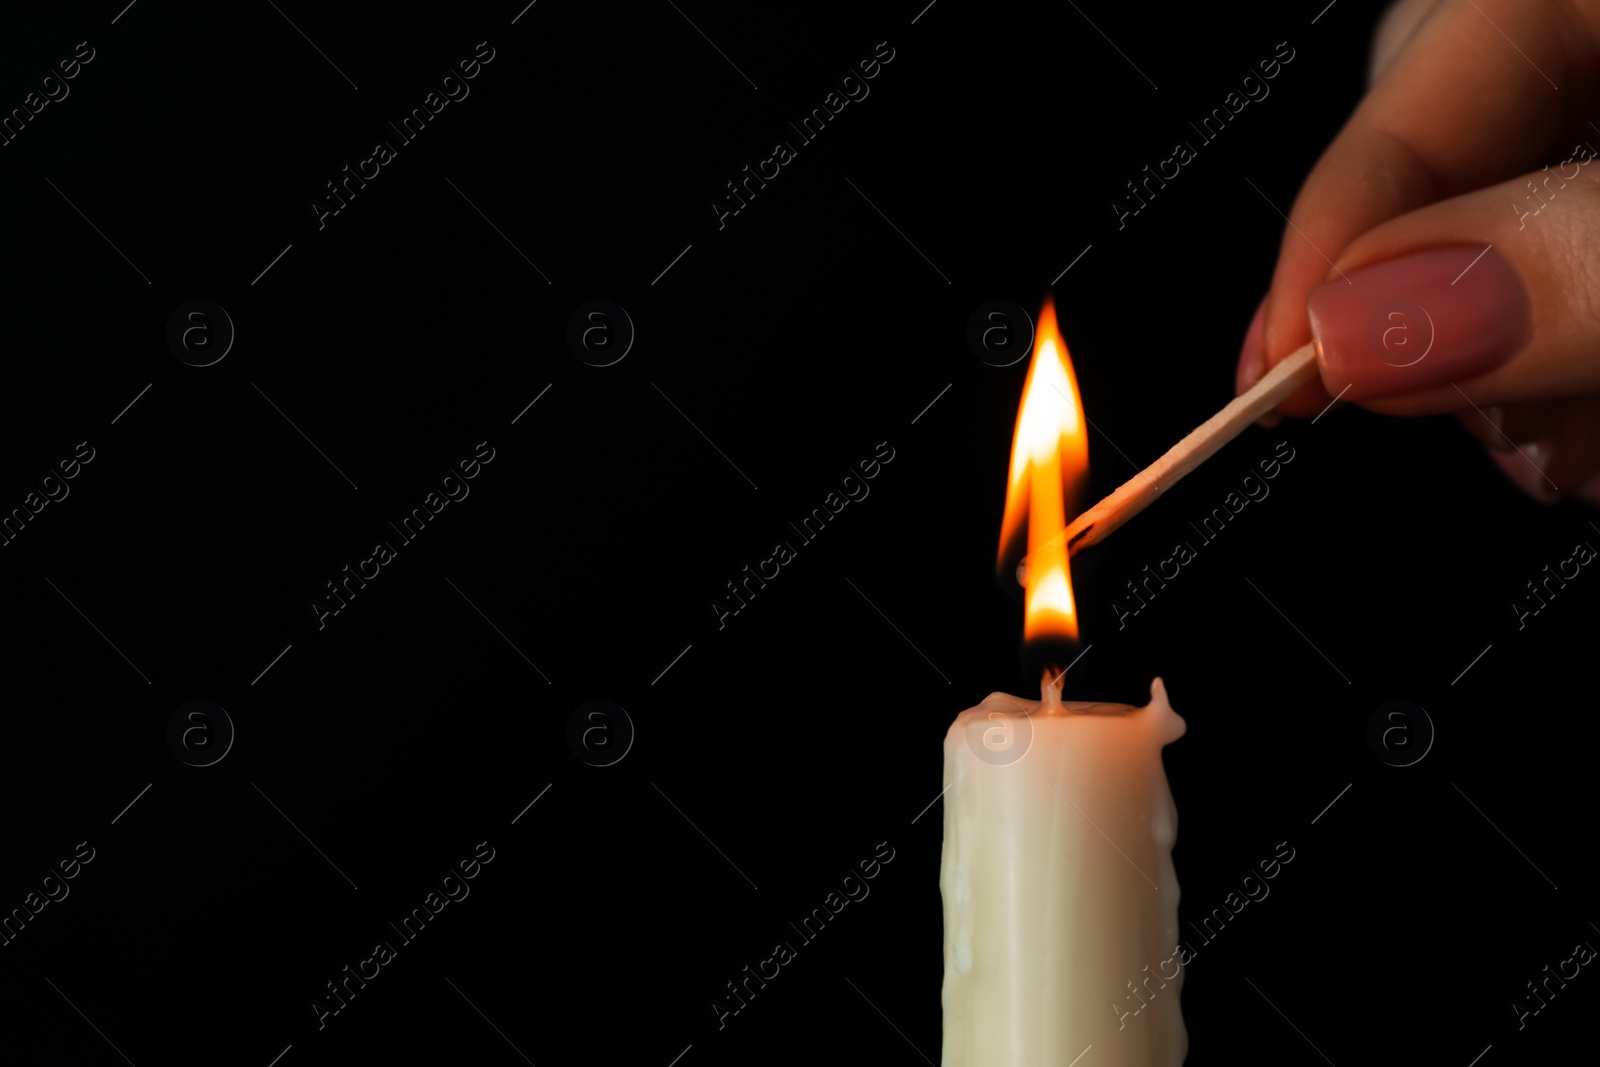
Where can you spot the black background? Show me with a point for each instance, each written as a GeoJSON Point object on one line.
{"type": "Point", "coordinates": [425, 716]}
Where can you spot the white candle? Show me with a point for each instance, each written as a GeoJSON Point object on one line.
{"type": "Point", "coordinates": [1060, 898]}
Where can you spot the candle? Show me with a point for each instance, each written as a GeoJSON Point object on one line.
{"type": "Point", "coordinates": [1060, 899]}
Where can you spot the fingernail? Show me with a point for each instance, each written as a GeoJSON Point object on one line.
{"type": "Point", "coordinates": [1422, 320]}
{"type": "Point", "coordinates": [1525, 466]}
{"type": "Point", "coordinates": [1488, 425]}
{"type": "Point", "coordinates": [1253, 353]}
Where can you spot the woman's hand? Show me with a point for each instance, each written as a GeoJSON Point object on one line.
{"type": "Point", "coordinates": [1445, 250]}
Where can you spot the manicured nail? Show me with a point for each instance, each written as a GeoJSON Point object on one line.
{"type": "Point", "coordinates": [1488, 426]}
{"type": "Point", "coordinates": [1253, 353]}
{"type": "Point", "coordinates": [1422, 320]}
{"type": "Point", "coordinates": [1525, 466]}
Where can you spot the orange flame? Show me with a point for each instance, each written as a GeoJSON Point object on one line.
{"type": "Point", "coordinates": [1049, 464]}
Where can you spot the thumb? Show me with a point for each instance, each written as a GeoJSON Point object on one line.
{"type": "Point", "coordinates": [1484, 299]}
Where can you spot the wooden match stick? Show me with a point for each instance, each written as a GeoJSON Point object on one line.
{"type": "Point", "coordinates": [1134, 495]}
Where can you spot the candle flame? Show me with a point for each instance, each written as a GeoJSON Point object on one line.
{"type": "Point", "coordinates": [1049, 465]}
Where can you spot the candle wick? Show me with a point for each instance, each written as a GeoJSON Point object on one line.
{"type": "Point", "coordinates": [1050, 690]}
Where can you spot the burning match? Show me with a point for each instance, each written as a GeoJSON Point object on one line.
{"type": "Point", "coordinates": [1133, 496]}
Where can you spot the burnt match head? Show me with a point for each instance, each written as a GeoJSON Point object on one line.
{"type": "Point", "coordinates": [1009, 571]}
